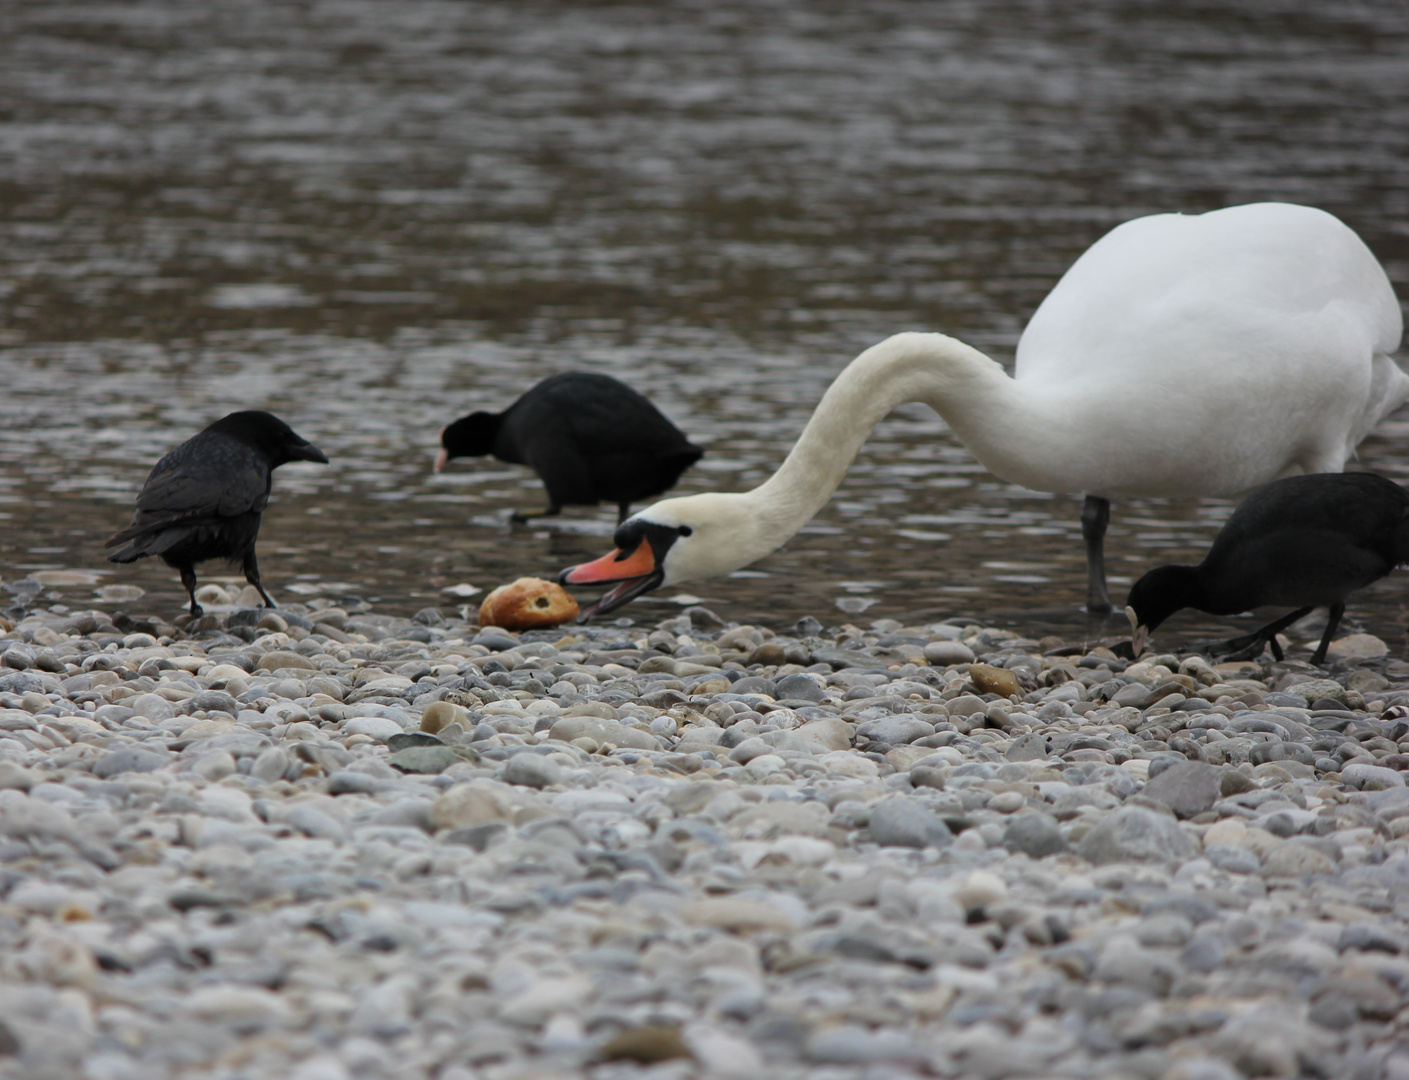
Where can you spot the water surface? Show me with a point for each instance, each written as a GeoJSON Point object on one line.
{"type": "Point", "coordinates": [371, 218]}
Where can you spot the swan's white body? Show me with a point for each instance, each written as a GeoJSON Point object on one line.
{"type": "Point", "coordinates": [1179, 356]}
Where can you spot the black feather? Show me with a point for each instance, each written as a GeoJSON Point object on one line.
{"type": "Point", "coordinates": [588, 437]}
{"type": "Point", "coordinates": [1304, 542]}
{"type": "Point", "coordinates": [204, 500]}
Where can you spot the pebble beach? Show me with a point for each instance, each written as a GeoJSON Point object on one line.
{"type": "Point", "coordinates": [324, 843]}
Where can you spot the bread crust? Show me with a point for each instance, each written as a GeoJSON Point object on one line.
{"type": "Point", "coordinates": [527, 604]}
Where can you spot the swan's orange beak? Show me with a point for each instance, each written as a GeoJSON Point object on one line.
{"type": "Point", "coordinates": [630, 574]}
{"type": "Point", "coordinates": [617, 566]}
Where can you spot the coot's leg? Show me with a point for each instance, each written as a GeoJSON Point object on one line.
{"type": "Point", "coordinates": [553, 510]}
{"type": "Point", "coordinates": [1095, 516]}
{"type": "Point", "coordinates": [1249, 646]}
{"type": "Point", "coordinates": [188, 579]}
{"type": "Point", "coordinates": [252, 576]}
{"type": "Point", "coordinates": [1333, 621]}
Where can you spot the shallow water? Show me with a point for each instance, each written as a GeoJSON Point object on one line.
{"type": "Point", "coordinates": [372, 218]}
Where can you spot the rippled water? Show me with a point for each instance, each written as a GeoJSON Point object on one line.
{"type": "Point", "coordinates": [371, 218]}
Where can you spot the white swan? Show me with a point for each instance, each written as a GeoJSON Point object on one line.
{"type": "Point", "coordinates": [1179, 356]}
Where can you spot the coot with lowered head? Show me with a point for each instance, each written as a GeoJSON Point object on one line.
{"type": "Point", "coordinates": [1306, 542]}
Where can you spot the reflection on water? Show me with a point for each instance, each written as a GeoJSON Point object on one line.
{"type": "Point", "coordinates": [373, 218]}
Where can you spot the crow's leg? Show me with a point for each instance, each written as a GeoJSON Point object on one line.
{"type": "Point", "coordinates": [1095, 516]}
{"type": "Point", "coordinates": [252, 576]}
{"type": "Point", "coordinates": [1337, 610]}
{"type": "Point", "coordinates": [188, 579]}
{"type": "Point", "coordinates": [1249, 646]}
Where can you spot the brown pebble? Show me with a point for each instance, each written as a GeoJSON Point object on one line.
{"type": "Point", "coordinates": [928, 776]}
{"type": "Point", "coordinates": [994, 680]}
{"type": "Point", "coordinates": [653, 1042]}
{"type": "Point", "coordinates": [1234, 782]}
{"type": "Point", "coordinates": [441, 714]}
{"type": "Point", "coordinates": [769, 654]}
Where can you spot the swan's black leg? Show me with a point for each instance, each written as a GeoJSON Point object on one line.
{"type": "Point", "coordinates": [1249, 647]}
{"type": "Point", "coordinates": [553, 510]}
{"type": "Point", "coordinates": [622, 511]}
{"type": "Point", "coordinates": [252, 576]}
{"type": "Point", "coordinates": [188, 579]}
{"type": "Point", "coordinates": [1095, 516]}
{"type": "Point", "coordinates": [1332, 621]}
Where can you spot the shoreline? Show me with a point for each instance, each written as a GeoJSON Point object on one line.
{"type": "Point", "coordinates": [324, 842]}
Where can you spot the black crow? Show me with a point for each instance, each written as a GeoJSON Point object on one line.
{"type": "Point", "coordinates": [1305, 541]}
{"type": "Point", "coordinates": [588, 437]}
{"type": "Point", "coordinates": [204, 499]}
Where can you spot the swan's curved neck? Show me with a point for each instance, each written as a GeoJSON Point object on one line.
{"type": "Point", "coordinates": [931, 368]}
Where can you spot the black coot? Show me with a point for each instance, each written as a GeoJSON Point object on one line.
{"type": "Point", "coordinates": [588, 437]}
{"type": "Point", "coordinates": [204, 499]}
{"type": "Point", "coordinates": [1306, 541]}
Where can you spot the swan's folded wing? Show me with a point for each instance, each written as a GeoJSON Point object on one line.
{"type": "Point", "coordinates": [1202, 295]}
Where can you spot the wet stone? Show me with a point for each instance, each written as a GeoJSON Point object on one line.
{"type": "Point", "coordinates": [342, 783]}
{"type": "Point", "coordinates": [213, 701]}
{"type": "Point", "coordinates": [129, 759]}
{"type": "Point", "coordinates": [1036, 835]}
{"type": "Point", "coordinates": [427, 759]}
{"type": "Point", "coordinates": [1187, 788]}
{"type": "Point", "coordinates": [1133, 833]}
{"type": "Point", "coordinates": [532, 770]}
{"type": "Point", "coordinates": [904, 822]}
{"type": "Point", "coordinates": [798, 687]}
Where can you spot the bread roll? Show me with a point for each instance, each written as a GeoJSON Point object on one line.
{"type": "Point", "coordinates": [527, 604]}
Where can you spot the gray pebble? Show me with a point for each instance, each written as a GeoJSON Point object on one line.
{"type": "Point", "coordinates": [1036, 835]}
{"type": "Point", "coordinates": [895, 730]}
{"type": "Point", "coordinates": [798, 687]}
{"type": "Point", "coordinates": [532, 770]}
{"type": "Point", "coordinates": [129, 759]}
{"type": "Point", "coordinates": [313, 822]}
{"type": "Point", "coordinates": [343, 783]}
{"type": "Point", "coordinates": [1235, 860]}
{"type": "Point", "coordinates": [944, 653]}
{"type": "Point", "coordinates": [1280, 751]}
{"type": "Point", "coordinates": [1134, 834]}
{"type": "Point", "coordinates": [903, 822]}
{"type": "Point", "coordinates": [428, 760]}
{"type": "Point", "coordinates": [213, 701]}
{"type": "Point", "coordinates": [1188, 788]}
{"type": "Point", "coordinates": [270, 765]}
{"type": "Point", "coordinates": [232, 859]}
